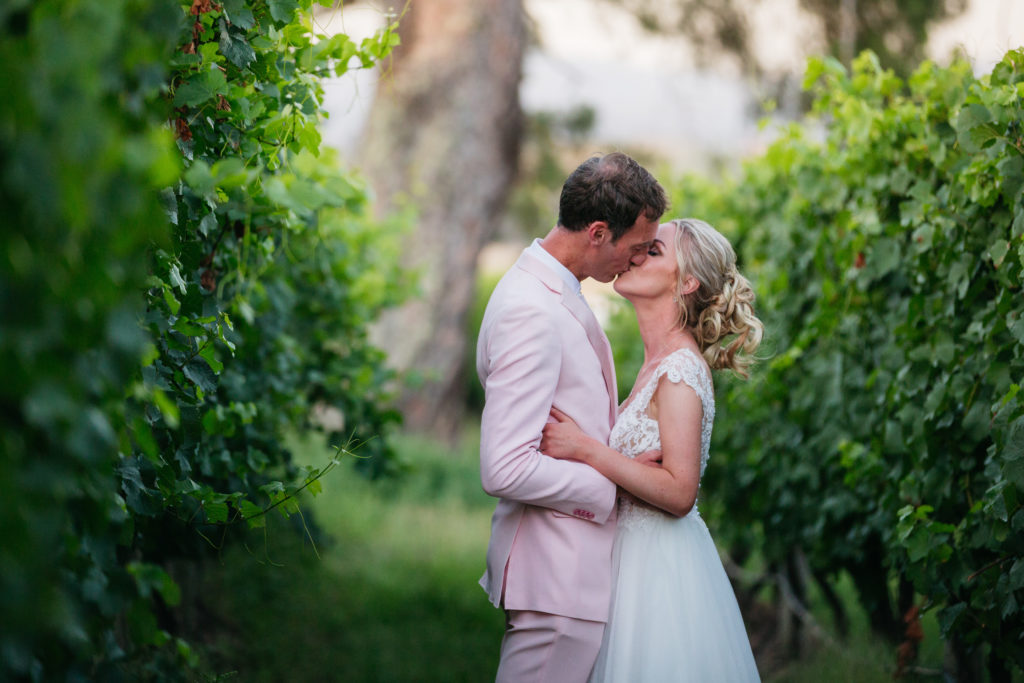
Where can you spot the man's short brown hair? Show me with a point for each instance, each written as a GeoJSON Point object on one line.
{"type": "Point", "coordinates": [613, 188]}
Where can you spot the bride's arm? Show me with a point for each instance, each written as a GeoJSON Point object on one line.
{"type": "Point", "coordinates": [671, 487]}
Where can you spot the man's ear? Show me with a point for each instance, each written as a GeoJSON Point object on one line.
{"type": "Point", "coordinates": [598, 233]}
{"type": "Point", "coordinates": [690, 285]}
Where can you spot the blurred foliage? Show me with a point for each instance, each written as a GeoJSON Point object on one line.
{"type": "Point", "coordinates": [552, 146]}
{"type": "Point", "coordinates": [895, 31]}
{"type": "Point", "coordinates": [884, 434]}
{"type": "Point", "coordinates": [184, 279]}
{"type": "Point", "coordinates": [627, 351]}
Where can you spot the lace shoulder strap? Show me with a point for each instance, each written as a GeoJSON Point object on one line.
{"type": "Point", "coordinates": [681, 366]}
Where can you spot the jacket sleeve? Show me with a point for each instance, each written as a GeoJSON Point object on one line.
{"type": "Point", "coordinates": [520, 360]}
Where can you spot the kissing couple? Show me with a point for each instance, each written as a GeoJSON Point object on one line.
{"type": "Point", "coordinates": [598, 555]}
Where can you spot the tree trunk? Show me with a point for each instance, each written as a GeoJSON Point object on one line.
{"type": "Point", "coordinates": [798, 587]}
{"type": "Point", "coordinates": [840, 619]}
{"type": "Point", "coordinates": [871, 579]}
{"type": "Point", "coordinates": [444, 136]}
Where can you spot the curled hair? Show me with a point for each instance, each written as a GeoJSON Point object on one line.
{"type": "Point", "coordinates": [613, 188]}
{"type": "Point", "coordinates": [720, 312]}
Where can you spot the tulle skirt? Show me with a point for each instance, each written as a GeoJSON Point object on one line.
{"type": "Point", "coordinates": [674, 615]}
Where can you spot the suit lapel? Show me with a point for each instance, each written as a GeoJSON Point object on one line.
{"type": "Point", "coordinates": [599, 341]}
{"type": "Point", "coordinates": [579, 309]}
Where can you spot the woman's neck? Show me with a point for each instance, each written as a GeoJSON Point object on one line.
{"type": "Point", "coordinates": [659, 329]}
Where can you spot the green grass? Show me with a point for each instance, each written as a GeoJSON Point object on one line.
{"type": "Point", "coordinates": [393, 595]}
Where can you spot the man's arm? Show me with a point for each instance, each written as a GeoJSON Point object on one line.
{"type": "Point", "coordinates": [523, 359]}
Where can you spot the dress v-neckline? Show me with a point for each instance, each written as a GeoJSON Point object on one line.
{"type": "Point", "coordinates": [633, 398]}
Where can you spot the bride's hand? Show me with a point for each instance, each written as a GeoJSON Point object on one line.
{"type": "Point", "coordinates": [563, 439]}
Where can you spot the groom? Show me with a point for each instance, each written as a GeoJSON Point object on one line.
{"type": "Point", "coordinates": [549, 559]}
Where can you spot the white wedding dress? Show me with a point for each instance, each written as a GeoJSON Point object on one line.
{"type": "Point", "coordinates": [674, 615]}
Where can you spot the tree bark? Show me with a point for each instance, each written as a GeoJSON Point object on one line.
{"type": "Point", "coordinates": [444, 136]}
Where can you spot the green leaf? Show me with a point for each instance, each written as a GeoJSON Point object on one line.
{"type": "Point", "coordinates": [199, 178]}
{"type": "Point", "coordinates": [1016, 575]}
{"type": "Point", "coordinates": [201, 87]}
{"type": "Point", "coordinates": [172, 302]}
{"type": "Point", "coordinates": [176, 279]}
{"type": "Point", "coordinates": [189, 329]}
{"type": "Point", "coordinates": [884, 257]}
{"type": "Point", "coordinates": [211, 423]}
{"type": "Point", "coordinates": [282, 10]}
{"type": "Point", "coordinates": [216, 512]}
{"type": "Point", "coordinates": [971, 118]}
{"type": "Point", "coordinates": [210, 356]}
{"type": "Point", "coordinates": [229, 172]}
{"type": "Point", "coordinates": [1012, 169]}
{"type": "Point", "coordinates": [315, 487]}
{"type": "Point", "coordinates": [249, 509]}
{"type": "Point", "coordinates": [950, 615]}
{"type": "Point", "coordinates": [1015, 323]}
{"type": "Point", "coordinates": [288, 507]}
{"type": "Point", "coordinates": [997, 252]}
{"type": "Point", "coordinates": [234, 46]}
{"type": "Point", "coordinates": [959, 275]}
{"type": "Point", "coordinates": [944, 349]}
{"type": "Point", "coordinates": [918, 545]}
{"type": "Point", "coordinates": [981, 136]}
{"type": "Point", "coordinates": [238, 14]}
{"type": "Point", "coordinates": [996, 506]}
{"type": "Point", "coordinates": [142, 626]}
{"type": "Point", "coordinates": [1010, 607]}
{"type": "Point", "coordinates": [208, 224]}
{"type": "Point", "coordinates": [309, 137]}
{"type": "Point", "coordinates": [149, 355]}
{"type": "Point", "coordinates": [1014, 448]}
{"type": "Point", "coordinates": [200, 374]}
{"type": "Point", "coordinates": [1018, 225]}
{"type": "Point", "coordinates": [168, 409]}
{"type": "Point", "coordinates": [150, 578]}
{"type": "Point", "coordinates": [144, 438]}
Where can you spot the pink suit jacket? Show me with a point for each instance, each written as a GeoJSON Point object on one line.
{"type": "Point", "coordinates": [553, 527]}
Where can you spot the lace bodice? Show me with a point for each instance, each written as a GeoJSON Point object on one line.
{"type": "Point", "coordinates": [636, 432]}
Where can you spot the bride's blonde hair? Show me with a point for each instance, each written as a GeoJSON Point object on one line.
{"type": "Point", "coordinates": [723, 305]}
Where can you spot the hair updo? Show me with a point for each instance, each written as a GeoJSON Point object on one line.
{"type": "Point", "coordinates": [723, 305]}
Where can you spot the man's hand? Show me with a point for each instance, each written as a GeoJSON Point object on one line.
{"type": "Point", "coordinates": [649, 458]}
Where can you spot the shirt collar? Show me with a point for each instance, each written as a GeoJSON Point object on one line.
{"type": "Point", "coordinates": [554, 264]}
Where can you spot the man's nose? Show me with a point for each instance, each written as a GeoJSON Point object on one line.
{"type": "Point", "coordinates": [638, 259]}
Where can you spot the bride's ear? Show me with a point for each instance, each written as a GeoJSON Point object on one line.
{"type": "Point", "coordinates": [690, 285]}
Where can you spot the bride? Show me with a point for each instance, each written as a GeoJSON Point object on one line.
{"type": "Point", "coordinates": [673, 616]}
